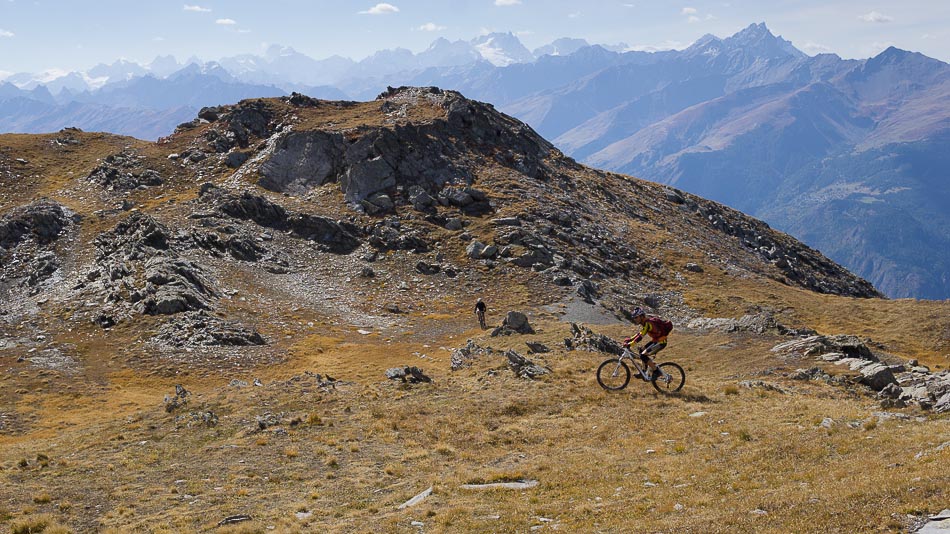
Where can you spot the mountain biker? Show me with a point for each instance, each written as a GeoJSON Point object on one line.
{"type": "Point", "coordinates": [657, 328]}
{"type": "Point", "coordinates": [480, 308]}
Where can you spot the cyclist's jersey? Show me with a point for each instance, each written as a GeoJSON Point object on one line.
{"type": "Point", "coordinates": [653, 331]}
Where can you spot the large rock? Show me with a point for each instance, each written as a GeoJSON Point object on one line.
{"type": "Point", "coordinates": [583, 338]}
{"type": "Point", "coordinates": [514, 322]}
{"type": "Point", "coordinates": [524, 367]}
{"type": "Point", "coordinates": [876, 376]}
{"type": "Point", "coordinates": [42, 221]}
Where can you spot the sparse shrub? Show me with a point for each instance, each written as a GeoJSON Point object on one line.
{"type": "Point", "coordinates": [514, 410]}
{"type": "Point", "coordinates": [870, 424]}
{"type": "Point", "coordinates": [291, 452]}
{"type": "Point", "coordinates": [42, 498]}
{"type": "Point", "coordinates": [445, 450]}
{"type": "Point", "coordinates": [314, 420]}
{"type": "Point", "coordinates": [744, 436]}
{"type": "Point", "coordinates": [394, 470]}
{"type": "Point", "coordinates": [732, 390]}
{"type": "Point", "coordinates": [44, 523]}
{"type": "Point", "coordinates": [331, 461]}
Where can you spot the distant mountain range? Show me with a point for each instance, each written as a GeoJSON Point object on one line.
{"type": "Point", "coordinates": [848, 155]}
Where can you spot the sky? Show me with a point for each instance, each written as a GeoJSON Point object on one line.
{"type": "Point", "coordinates": [43, 35]}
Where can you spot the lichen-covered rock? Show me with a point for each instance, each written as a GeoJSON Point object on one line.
{"type": "Point", "coordinates": [42, 221]}
{"type": "Point", "coordinates": [124, 171]}
{"type": "Point", "coordinates": [200, 329]}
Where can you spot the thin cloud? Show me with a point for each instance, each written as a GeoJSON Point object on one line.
{"type": "Point", "coordinates": [197, 9]}
{"type": "Point", "coordinates": [666, 45]}
{"type": "Point", "coordinates": [813, 48]}
{"type": "Point", "coordinates": [430, 27]}
{"type": "Point", "coordinates": [380, 9]}
{"type": "Point", "coordinates": [504, 3]}
{"type": "Point", "coordinates": [6, 33]}
{"type": "Point", "coordinates": [226, 22]}
{"type": "Point", "coordinates": [692, 15]}
{"type": "Point", "coordinates": [874, 16]}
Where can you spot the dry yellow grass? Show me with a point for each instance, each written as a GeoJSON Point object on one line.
{"type": "Point", "coordinates": [629, 461]}
{"type": "Point", "coordinates": [94, 450]}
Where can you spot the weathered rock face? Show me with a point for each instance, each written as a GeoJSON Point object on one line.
{"type": "Point", "coordinates": [199, 329]}
{"type": "Point", "coordinates": [237, 124]}
{"type": "Point", "coordinates": [583, 338]}
{"type": "Point", "coordinates": [123, 172]}
{"type": "Point", "coordinates": [137, 266]}
{"type": "Point", "coordinates": [27, 238]}
{"type": "Point", "coordinates": [333, 236]}
{"type": "Point", "coordinates": [41, 221]}
{"type": "Point", "coordinates": [524, 367]}
{"type": "Point", "coordinates": [418, 157]}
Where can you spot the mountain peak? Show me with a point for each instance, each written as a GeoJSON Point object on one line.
{"type": "Point", "coordinates": [502, 49]}
{"type": "Point", "coordinates": [760, 40]}
{"type": "Point", "coordinates": [564, 46]}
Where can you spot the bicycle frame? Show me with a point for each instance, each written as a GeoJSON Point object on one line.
{"type": "Point", "coordinates": [636, 362]}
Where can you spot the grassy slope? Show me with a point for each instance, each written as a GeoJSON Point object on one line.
{"type": "Point", "coordinates": [95, 450]}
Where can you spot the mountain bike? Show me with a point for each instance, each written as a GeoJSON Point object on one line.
{"type": "Point", "coordinates": [481, 318]}
{"type": "Point", "coordinates": [614, 374]}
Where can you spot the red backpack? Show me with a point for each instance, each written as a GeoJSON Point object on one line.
{"type": "Point", "coordinates": [661, 327]}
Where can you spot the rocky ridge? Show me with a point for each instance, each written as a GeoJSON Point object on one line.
{"type": "Point", "coordinates": [274, 190]}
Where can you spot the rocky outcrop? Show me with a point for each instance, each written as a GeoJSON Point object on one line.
{"type": "Point", "coordinates": [411, 162]}
{"type": "Point", "coordinates": [514, 323]}
{"type": "Point", "coordinates": [523, 367]}
{"type": "Point", "coordinates": [583, 338]}
{"type": "Point", "coordinates": [235, 125]}
{"type": "Point", "coordinates": [758, 323]}
{"type": "Point", "coordinates": [409, 374]}
{"type": "Point", "coordinates": [43, 221]}
{"type": "Point", "coordinates": [200, 329]}
{"type": "Point", "coordinates": [332, 236]}
{"type": "Point", "coordinates": [136, 265]}
{"type": "Point", "coordinates": [123, 172]}
{"type": "Point", "coordinates": [898, 385]}
{"type": "Point", "coordinates": [28, 251]}
{"type": "Point", "coordinates": [464, 356]}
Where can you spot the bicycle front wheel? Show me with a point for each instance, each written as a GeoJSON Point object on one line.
{"type": "Point", "coordinates": [671, 380]}
{"type": "Point", "coordinates": [613, 375]}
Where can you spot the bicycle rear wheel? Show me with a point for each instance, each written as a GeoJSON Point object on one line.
{"type": "Point", "coordinates": [671, 380]}
{"type": "Point", "coordinates": [613, 375]}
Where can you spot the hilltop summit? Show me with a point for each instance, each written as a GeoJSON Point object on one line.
{"type": "Point", "coordinates": [419, 176]}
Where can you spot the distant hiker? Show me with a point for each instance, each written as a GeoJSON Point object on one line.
{"type": "Point", "coordinates": [658, 328]}
{"type": "Point", "coordinates": [480, 312]}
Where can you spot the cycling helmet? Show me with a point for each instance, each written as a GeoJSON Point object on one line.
{"type": "Point", "coordinates": [637, 312]}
